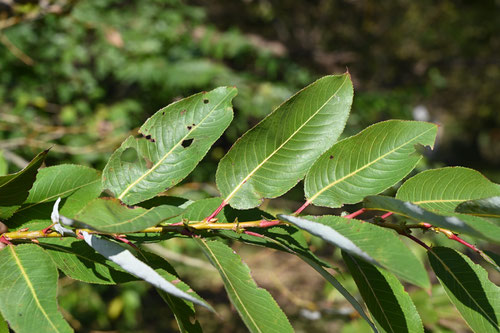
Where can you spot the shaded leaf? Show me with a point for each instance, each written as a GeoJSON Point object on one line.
{"type": "Point", "coordinates": [173, 141]}
{"type": "Point", "coordinates": [256, 306]}
{"type": "Point", "coordinates": [385, 297]}
{"type": "Point", "coordinates": [110, 215]}
{"type": "Point", "coordinates": [28, 285]}
{"type": "Point", "coordinates": [364, 240]}
{"type": "Point", "coordinates": [487, 208]}
{"type": "Point", "coordinates": [3, 325]}
{"type": "Point", "coordinates": [367, 163]}
{"type": "Point", "coordinates": [272, 157]}
{"type": "Point", "coordinates": [14, 188]}
{"type": "Point", "coordinates": [127, 261]}
{"type": "Point", "coordinates": [468, 288]}
{"type": "Point", "coordinates": [444, 189]}
{"type": "Point", "coordinates": [456, 222]}
{"type": "Point", "coordinates": [4, 169]}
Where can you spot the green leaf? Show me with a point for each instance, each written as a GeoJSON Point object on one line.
{"type": "Point", "coordinates": [4, 167]}
{"type": "Point", "coordinates": [385, 297]}
{"type": "Point", "coordinates": [488, 208]}
{"type": "Point", "coordinates": [173, 141]}
{"type": "Point", "coordinates": [110, 215]}
{"type": "Point", "coordinates": [272, 157]}
{"type": "Point", "coordinates": [456, 222]}
{"type": "Point", "coordinates": [80, 262]}
{"type": "Point", "coordinates": [444, 189]}
{"type": "Point", "coordinates": [79, 183]}
{"type": "Point", "coordinates": [367, 163]}
{"type": "Point", "coordinates": [14, 188]}
{"type": "Point", "coordinates": [28, 285]}
{"type": "Point", "coordinates": [3, 325]}
{"type": "Point", "coordinates": [468, 288]}
{"type": "Point", "coordinates": [364, 240]}
{"type": "Point", "coordinates": [257, 308]}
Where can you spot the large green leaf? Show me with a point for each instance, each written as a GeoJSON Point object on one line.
{"type": "Point", "coordinates": [276, 154]}
{"type": "Point", "coordinates": [364, 240]}
{"type": "Point", "coordinates": [80, 262]}
{"type": "Point", "coordinates": [256, 306]}
{"type": "Point", "coordinates": [3, 325]}
{"type": "Point", "coordinates": [173, 141]}
{"type": "Point", "coordinates": [110, 215]}
{"type": "Point", "coordinates": [14, 188]}
{"type": "Point", "coordinates": [488, 208]}
{"type": "Point", "coordinates": [78, 183]}
{"type": "Point", "coordinates": [444, 189]}
{"type": "Point", "coordinates": [385, 297]}
{"type": "Point", "coordinates": [367, 163]}
{"type": "Point", "coordinates": [461, 223]}
{"type": "Point", "coordinates": [28, 286]}
{"type": "Point", "coordinates": [468, 287]}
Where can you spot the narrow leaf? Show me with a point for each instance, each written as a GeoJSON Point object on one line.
{"type": "Point", "coordinates": [256, 307]}
{"type": "Point", "coordinates": [444, 189]}
{"type": "Point", "coordinates": [363, 239]}
{"type": "Point", "coordinates": [172, 143]}
{"type": "Point", "coordinates": [487, 208]}
{"type": "Point", "coordinates": [14, 188]}
{"type": "Point", "coordinates": [468, 288]}
{"type": "Point", "coordinates": [126, 260]}
{"type": "Point", "coordinates": [385, 297]}
{"type": "Point", "coordinates": [367, 163]}
{"type": "Point", "coordinates": [28, 285]}
{"type": "Point", "coordinates": [110, 215]}
{"type": "Point", "coordinates": [276, 154]}
{"type": "Point", "coordinates": [456, 222]}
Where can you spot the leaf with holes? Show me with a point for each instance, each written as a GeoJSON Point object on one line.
{"type": "Point", "coordinates": [172, 143]}
{"type": "Point", "coordinates": [363, 239]}
{"type": "Point", "coordinates": [272, 157]}
{"type": "Point", "coordinates": [385, 297]}
{"type": "Point", "coordinates": [444, 189]}
{"type": "Point", "coordinates": [256, 306]}
{"type": "Point", "coordinates": [28, 285]}
{"type": "Point", "coordinates": [367, 163]}
{"type": "Point", "coordinates": [468, 288]}
{"type": "Point", "coordinates": [488, 208]}
{"type": "Point", "coordinates": [14, 188]}
{"type": "Point", "coordinates": [461, 223]}
{"type": "Point", "coordinates": [110, 215]}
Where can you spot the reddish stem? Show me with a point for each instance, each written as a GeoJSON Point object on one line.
{"type": "Point", "coordinates": [418, 241]}
{"type": "Point", "coordinates": [46, 230]}
{"type": "Point", "coordinates": [461, 241]}
{"type": "Point", "coordinates": [217, 211]}
{"type": "Point", "coordinates": [386, 215]}
{"type": "Point", "coordinates": [356, 213]}
{"type": "Point", "coordinates": [267, 223]}
{"type": "Point", "coordinates": [298, 211]}
{"type": "Point", "coordinates": [5, 240]}
{"type": "Point", "coordinates": [251, 233]}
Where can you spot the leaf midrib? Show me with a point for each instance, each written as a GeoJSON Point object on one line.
{"type": "Point", "coordinates": [238, 187]}
{"type": "Point", "coordinates": [353, 173]}
{"type": "Point", "coordinates": [231, 285]}
{"type": "Point", "coordinates": [30, 286]}
{"type": "Point", "coordinates": [463, 287]}
{"type": "Point", "coordinates": [157, 164]}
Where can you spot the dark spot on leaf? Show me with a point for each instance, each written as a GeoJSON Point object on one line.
{"type": "Point", "coordinates": [148, 137]}
{"type": "Point", "coordinates": [183, 111]}
{"type": "Point", "coordinates": [149, 164]}
{"type": "Point", "coordinates": [139, 135]}
{"type": "Point", "coordinates": [189, 127]}
{"type": "Point", "coordinates": [152, 140]}
{"type": "Point", "coordinates": [331, 156]}
{"type": "Point", "coordinates": [205, 101]}
{"type": "Point", "coordinates": [129, 155]}
{"type": "Point", "coordinates": [131, 206]}
{"type": "Point", "coordinates": [163, 113]}
{"type": "Point", "coordinates": [186, 143]}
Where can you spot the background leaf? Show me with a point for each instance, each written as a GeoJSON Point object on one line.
{"type": "Point", "coordinates": [367, 163]}
{"type": "Point", "coordinates": [364, 240]}
{"type": "Point", "coordinates": [468, 287]}
{"type": "Point", "coordinates": [256, 307]}
{"type": "Point", "coordinates": [110, 215]}
{"type": "Point", "coordinates": [173, 141]}
{"type": "Point", "coordinates": [456, 222]}
{"type": "Point", "coordinates": [488, 208]}
{"type": "Point", "coordinates": [272, 157]}
{"type": "Point", "coordinates": [3, 325]}
{"type": "Point", "coordinates": [28, 286]}
{"type": "Point", "coordinates": [385, 297]}
{"type": "Point", "coordinates": [14, 188]}
{"type": "Point", "coordinates": [444, 189]}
